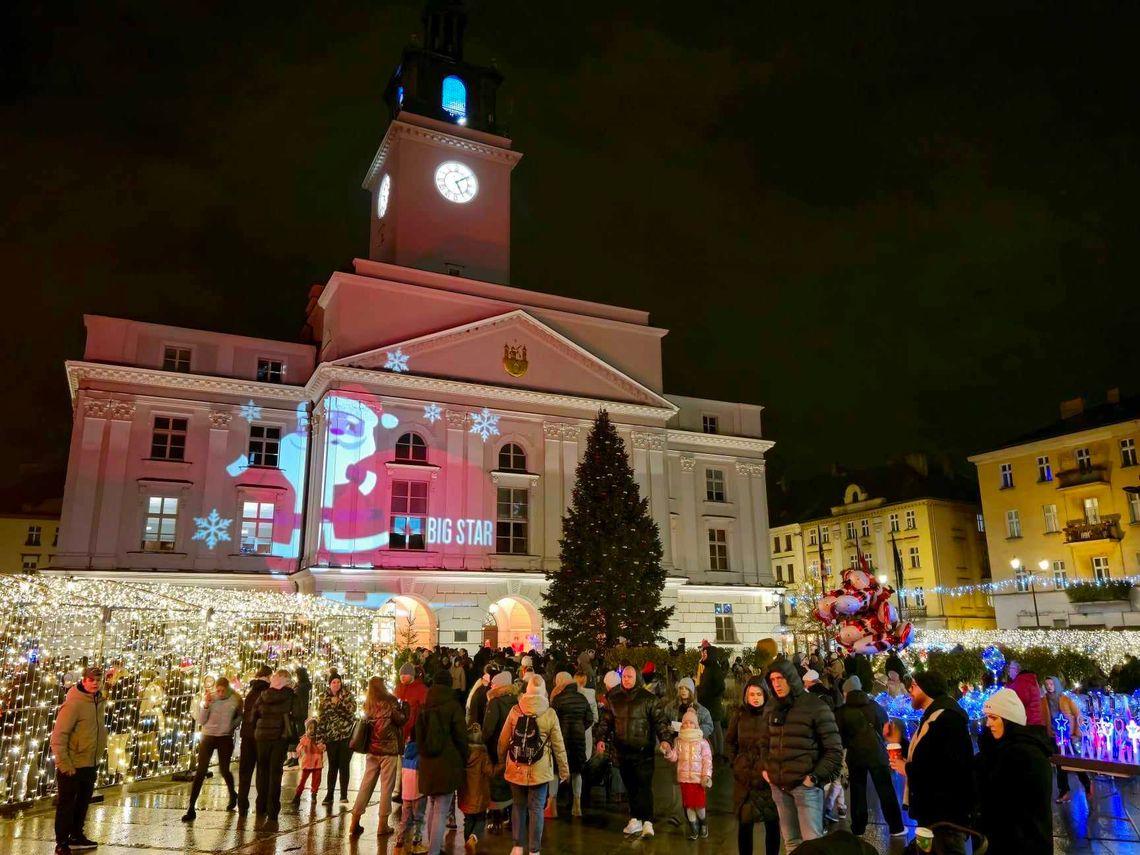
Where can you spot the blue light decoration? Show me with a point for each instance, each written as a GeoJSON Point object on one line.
{"type": "Point", "coordinates": [212, 529]}
{"type": "Point", "coordinates": [454, 98]}
{"type": "Point", "coordinates": [994, 660]}
{"type": "Point", "coordinates": [396, 360]}
{"type": "Point", "coordinates": [400, 96]}
{"type": "Point", "coordinates": [485, 424]}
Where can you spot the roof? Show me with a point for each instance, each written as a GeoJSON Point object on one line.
{"type": "Point", "coordinates": [1090, 418]}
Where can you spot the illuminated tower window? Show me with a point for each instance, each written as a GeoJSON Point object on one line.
{"type": "Point", "coordinates": [454, 98]}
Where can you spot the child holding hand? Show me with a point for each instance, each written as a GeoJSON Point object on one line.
{"type": "Point", "coordinates": [311, 758]}
{"type": "Point", "coordinates": [693, 756]}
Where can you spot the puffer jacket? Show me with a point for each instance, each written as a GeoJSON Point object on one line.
{"type": "Point", "coordinates": [693, 756]}
{"type": "Point", "coordinates": [443, 717]}
{"type": "Point", "coordinates": [674, 710]}
{"type": "Point", "coordinates": [256, 687]}
{"type": "Point", "coordinates": [751, 795]}
{"type": "Point", "coordinates": [1015, 782]}
{"type": "Point", "coordinates": [638, 722]}
{"type": "Point", "coordinates": [500, 702]}
{"type": "Point", "coordinates": [336, 718]}
{"type": "Point", "coordinates": [221, 715]}
{"type": "Point", "coordinates": [575, 718]}
{"type": "Point", "coordinates": [939, 780]}
{"type": "Point", "coordinates": [386, 737]}
{"type": "Point", "coordinates": [800, 736]}
{"type": "Point", "coordinates": [541, 772]}
{"type": "Point", "coordinates": [1025, 687]}
{"type": "Point", "coordinates": [860, 722]}
{"type": "Point", "coordinates": [79, 735]}
{"type": "Point", "coordinates": [274, 705]}
{"type": "Point", "coordinates": [414, 694]}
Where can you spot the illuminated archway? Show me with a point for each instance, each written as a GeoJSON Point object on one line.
{"type": "Point", "coordinates": [415, 624]}
{"type": "Point", "coordinates": [519, 625]}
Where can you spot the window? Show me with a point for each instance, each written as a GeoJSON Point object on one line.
{"type": "Point", "coordinates": [791, 573]}
{"type": "Point", "coordinates": [1006, 476]}
{"type": "Point", "coordinates": [1084, 459]}
{"type": "Point", "coordinates": [1100, 568]}
{"type": "Point", "coordinates": [867, 560]}
{"type": "Point", "coordinates": [779, 572]}
{"type": "Point", "coordinates": [710, 424]}
{"type": "Point", "coordinates": [1012, 524]}
{"type": "Point", "coordinates": [915, 561]}
{"type": "Point", "coordinates": [511, 512]}
{"type": "Point", "coordinates": [161, 524]}
{"type": "Point", "coordinates": [168, 442]}
{"type": "Point", "coordinates": [850, 529]}
{"type": "Point", "coordinates": [787, 543]}
{"type": "Point", "coordinates": [1127, 452]}
{"type": "Point", "coordinates": [409, 514]}
{"type": "Point", "coordinates": [725, 631]}
{"type": "Point", "coordinates": [30, 562]}
{"type": "Point", "coordinates": [411, 448]}
{"type": "Point", "coordinates": [903, 597]}
{"type": "Point", "coordinates": [460, 636]}
{"type": "Point", "coordinates": [865, 527]}
{"type": "Point", "coordinates": [813, 568]}
{"type": "Point", "coordinates": [776, 543]}
{"type": "Point", "coordinates": [893, 521]}
{"type": "Point", "coordinates": [718, 549]}
{"type": "Point", "coordinates": [1050, 519]}
{"type": "Point", "coordinates": [825, 535]}
{"type": "Point", "coordinates": [1092, 510]}
{"type": "Point", "coordinates": [714, 490]}
{"type": "Point", "coordinates": [812, 541]}
{"type": "Point", "coordinates": [270, 371]}
{"type": "Point", "coordinates": [511, 457]}
{"type": "Point", "coordinates": [176, 359]}
{"type": "Point", "coordinates": [981, 523]}
{"type": "Point", "coordinates": [919, 597]}
{"type": "Point", "coordinates": [1021, 578]}
{"type": "Point", "coordinates": [55, 538]}
{"type": "Point", "coordinates": [911, 521]}
{"type": "Point", "coordinates": [256, 528]}
{"type": "Point", "coordinates": [1060, 577]}
{"type": "Point", "coordinates": [264, 445]}
{"type": "Point", "coordinates": [1133, 507]}
{"type": "Point", "coordinates": [1044, 469]}
{"type": "Point", "coordinates": [34, 534]}
{"type": "Point", "coordinates": [454, 98]}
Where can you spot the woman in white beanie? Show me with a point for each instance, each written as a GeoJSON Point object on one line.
{"type": "Point", "coordinates": [1014, 778]}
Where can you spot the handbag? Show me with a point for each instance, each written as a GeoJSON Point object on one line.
{"type": "Point", "coordinates": [361, 731]}
{"type": "Point", "coordinates": [288, 728]}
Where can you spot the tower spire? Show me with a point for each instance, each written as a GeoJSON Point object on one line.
{"type": "Point", "coordinates": [444, 23]}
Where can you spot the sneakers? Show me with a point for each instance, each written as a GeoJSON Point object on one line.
{"type": "Point", "coordinates": [470, 845]}
{"type": "Point", "coordinates": [62, 849]}
{"type": "Point", "coordinates": [900, 833]}
{"type": "Point", "coordinates": [634, 826]}
{"type": "Point", "coordinates": [79, 843]}
{"type": "Point", "coordinates": [327, 800]}
{"type": "Point", "coordinates": [647, 830]}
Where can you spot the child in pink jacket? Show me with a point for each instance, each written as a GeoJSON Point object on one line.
{"type": "Point", "coordinates": [693, 756]}
{"type": "Point", "coordinates": [311, 756]}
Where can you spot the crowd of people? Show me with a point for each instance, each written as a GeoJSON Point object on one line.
{"type": "Point", "coordinates": [511, 740]}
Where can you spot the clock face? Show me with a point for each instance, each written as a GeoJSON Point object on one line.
{"type": "Point", "coordinates": [456, 182]}
{"type": "Point", "coordinates": [382, 196]}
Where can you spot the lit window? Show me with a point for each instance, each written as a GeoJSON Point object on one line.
{"type": "Point", "coordinates": [512, 458]}
{"type": "Point", "coordinates": [411, 448]}
{"type": "Point", "coordinates": [1051, 524]}
{"type": "Point", "coordinates": [1100, 568]}
{"type": "Point", "coordinates": [454, 98]}
{"type": "Point", "coordinates": [1044, 469]}
{"type": "Point", "coordinates": [264, 445]}
{"type": "Point", "coordinates": [710, 424]}
{"type": "Point", "coordinates": [919, 597]}
{"type": "Point", "coordinates": [850, 530]}
{"type": "Point", "coordinates": [409, 514]}
{"type": "Point", "coordinates": [1084, 459]}
{"type": "Point", "coordinates": [256, 527]}
{"type": "Point", "coordinates": [1006, 476]}
{"type": "Point", "coordinates": [825, 535]}
{"type": "Point", "coordinates": [1012, 524]}
{"type": "Point", "coordinates": [893, 520]}
{"type": "Point", "coordinates": [30, 562]}
{"type": "Point", "coordinates": [911, 520]}
{"type": "Point", "coordinates": [34, 534]}
{"type": "Point", "coordinates": [168, 441]}
{"type": "Point", "coordinates": [1060, 577]}
{"type": "Point", "coordinates": [1021, 578]}
{"type": "Point", "coordinates": [865, 527]}
{"type": "Point", "coordinates": [176, 359]}
{"type": "Point", "coordinates": [725, 631]}
{"type": "Point", "coordinates": [270, 371]}
{"type": "Point", "coordinates": [1133, 507]}
{"type": "Point", "coordinates": [161, 524]}
{"type": "Point", "coordinates": [1092, 510]}
{"type": "Point", "coordinates": [512, 509]}
{"type": "Point", "coordinates": [812, 541]}
{"type": "Point", "coordinates": [714, 489]}
{"type": "Point", "coordinates": [915, 562]}
{"type": "Point", "coordinates": [1127, 452]}
{"type": "Point", "coordinates": [718, 549]}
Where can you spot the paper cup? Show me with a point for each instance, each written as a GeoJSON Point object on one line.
{"type": "Point", "coordinates": [924, 839]}
{"type": "Point", "coordinates": [894, 750]}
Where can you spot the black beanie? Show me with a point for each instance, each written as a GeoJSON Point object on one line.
{"type": "Point", "coordinates": [441, 678]}
{"type": "Point", "coordinates": [931, 682]}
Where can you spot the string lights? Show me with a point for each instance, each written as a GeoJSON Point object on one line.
{"type": "Point", "coordinates": [1017, 583]}
{"type": "Point", "coordinates": [1108, 647]}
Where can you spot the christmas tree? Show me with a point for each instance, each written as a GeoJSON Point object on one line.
{"type": "Point", "coordinates": [610, 581]}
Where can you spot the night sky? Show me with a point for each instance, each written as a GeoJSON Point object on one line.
{"type": "Point", "coordinates": [897, 227]}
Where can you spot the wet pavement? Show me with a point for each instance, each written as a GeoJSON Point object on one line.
{"type": "Point", "coordinates": [146, 818]}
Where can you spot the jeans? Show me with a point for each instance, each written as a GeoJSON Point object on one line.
{"type": "Point", "coordinates": [438, 810]}
{"type": "Point", "coordinates": [884, 788]}
{"type": "Point", "coordinates": [385, 769]}
{"type": "Point", "coordinates": [74, 796]}
{"type": "Point", "coordinates": [411, 819]}
{"type": "Point", "coordinates": [339, 756]}
{"type": "Point", "coordinates": [270, 761]}
{"type": "Point", "coordinates": [224, 745]}
{"type": "Point", "coordinates": [746, 832]}
{"type": "Point", "coordinates": [247, 765]}
{"type": "Point", "coordinates": [801, 814]}
{"type": "Point", "coordinates": [637, 775]}
{"type": "Point", "coordinates": [529, 804]}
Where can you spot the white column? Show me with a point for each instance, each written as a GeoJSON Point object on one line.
{"type": "Point", "coordinates": [759, 479]}
{"type": "Point", "coordinates": [553, 504]}
{"type": "Point", "coordinates": [692, 561]}
{"type": "Point", "coordinates": [659, 498]}
{"type": "Point", "coordinates": [837, 564]}
{"type": "Point", "coordinates": [569, 461]}
{"type": "Point", "coordinates": [112, 481]}
{"type": "Point", "coordinates": [217, 491]}
{"type": "Point", "coordinates": [453, 479]}
{"type": "Point", "coordinates": [78, 524]}
{"type": "Point", "coordinates": [881, 562]}
{"type": "Point", "coordinates": [754, 521]}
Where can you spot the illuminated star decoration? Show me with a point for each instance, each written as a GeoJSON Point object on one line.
{"type": "Point", "coordinates": [397, 360]}
{"type": "Point", "coordinates": [433, 413]}
{"type": "Point", "coordinates": [250, 411]}
{"type": "Point", "coordinates": [212, 529]}
{"type": "Point", "coordinates": [485, 424]}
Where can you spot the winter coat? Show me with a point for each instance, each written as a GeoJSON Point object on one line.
{"type": "Point", "coordinates": [336, 715]}
{"type": "Point", "coordinates": [477, 703]}
{"type": "Point", "coordinates": [302, 692]}
{"type": "Point", "coordinates": [1066, 706]}
{"type": "Point", "coordinates": [221, 716]}
{"type": "Point", "coordinates": [751, 794]}
{"type": "Point", "coordinates": [710, 689]}
{"type": "Point", "coordinates": [1025, 687]}
{"type": "Point", "coordinates": [939, 779]}
{"type": "Point", "coordinates": [586, 666]}
{"type": "Point", "coordinates": [1015, 782]}
{"type": "Point", "coordinates": [256, 687]}
{"type": "Point", "coordinates": [541, 772]}
{"type": "Point", "coordinates": [675, 709]}
{"type": "Point", "coordinates": [693, 757]}
{"type": "Point", "coordinates": [273, 707]}
{"type": "Point", "coordinates": [500, 702]}
{"type": "Point", "coordinates": [860, 722]}
{"type": "Point", "coordinates": [414, 694]}
{"type": "Point", "coordinates": [824, 694]}
{"type": "Point", "coordinates": [574, 718]}
{"type": "Point", "coordinates": [410, 773]}
{"type": "Point", "coordinates": [475, 794]}
{"type": "Point", "coordinates": [441, 719]}
{"type": "Point", "coordinates": [637, 724]}
{"type": "Point", "coordinates": [800, 737]}
{"type": "Point", "coordinates": [458, 678]}
{"type": "Point", "coordinates": [79, 735]}
{"type": "Point", "coordinates": [386, 738]}
{"type": "Point", "coordinates": [311, 753]}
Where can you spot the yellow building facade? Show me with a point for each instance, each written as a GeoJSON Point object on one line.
{"type": "Point", "coordinates": [27, 541]}
{"type": "Point", "coordinates": [1059, 511]}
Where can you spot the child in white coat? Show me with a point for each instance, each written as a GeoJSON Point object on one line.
{"type": "Point", "coordinates": [693, 756]}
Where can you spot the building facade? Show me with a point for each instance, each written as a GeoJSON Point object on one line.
{"type": "Point", "coordinates": [27, 541]}
{"type": "Point", "coordinates": [419, 454]}
{"type": "Point", "coordinates": [1062, 506]}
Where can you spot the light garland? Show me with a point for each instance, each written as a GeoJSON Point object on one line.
{"type": "Point", "coordinates": [1046, 583]}
{"type": "Point", "coordinates": [1108, 647]}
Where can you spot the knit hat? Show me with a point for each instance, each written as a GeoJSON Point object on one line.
{"type": "Point", "coordinates": [441, 678]}
{"type": "Point", "coordinates": [611, 679]}
{"type": "Point", "coordinates": [811, 676]}
{"type": "Point", "coordinates": [503, 678]}
{"type": "Point", "coordinates": [409, 669]}
{"type": "Point", "coordinates": [536, 686]}
{"type": "Point", "coordinates": [1006, 704]}
{"type": "Point", "coordinates": [932, 683]}
{"type": "Point", "coordinates": [688, 683]}
{"type": "Point", "coordinates": [852, 684]}
{"type": "Point", "coordinates": [649, 668]}
{"type": "Point", "coordinates": [690, 717]}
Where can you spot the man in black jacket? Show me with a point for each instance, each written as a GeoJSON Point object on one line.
{"type": "Point", "coordinates": [247, 761]}
{"type": "Point", "coordinates": [710, 693]}
{"type": "Point", "coordinates": [937, 769]}
{"type": "Point", "coordinates": [861, 722]}
{"type": "Point", "coordinates": [800, 751]}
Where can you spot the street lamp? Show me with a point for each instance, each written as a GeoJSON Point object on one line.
{"type": "Point", "coordinates": [1044, 565]}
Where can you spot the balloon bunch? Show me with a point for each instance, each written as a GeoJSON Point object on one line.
{"type": "Point", "coordinates": [868, 620]}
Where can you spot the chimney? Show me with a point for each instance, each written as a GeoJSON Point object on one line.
{"type": "Point", "coordinates": [1072, 407]}
{"type": "Point", "coordinates": [1113, 395]}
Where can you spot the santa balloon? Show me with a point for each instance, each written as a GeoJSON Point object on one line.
{"type": "Point", "coordinates": [867, 620]}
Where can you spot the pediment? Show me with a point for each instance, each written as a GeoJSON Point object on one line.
{"type": "Point", "coordinates": [491, 352]}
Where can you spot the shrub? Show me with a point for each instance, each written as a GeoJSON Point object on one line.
{"type": "Point", "coordinates": [685, 663]}
{"type": "Point", "coordinates": [1089, 592]}
{"type": "Point", "coordinates": [1125, 677]}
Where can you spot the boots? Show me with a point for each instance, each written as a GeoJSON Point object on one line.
{"type": "Point", "coordinates": [693, 831]}
{"type": "Point", "coordinates": [577, 809]}
{"type": "Point", "coordinates": [704, 823]}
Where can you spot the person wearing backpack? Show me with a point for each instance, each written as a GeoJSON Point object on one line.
{"type": "Point", "coordinates": [441, 737]}
{"type": "Point", "coordinates": [531, 742]}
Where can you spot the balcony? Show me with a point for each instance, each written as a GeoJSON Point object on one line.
{"type": "Point", "coordinates": [913, 612]}
{"type": "Point", "coordinates": [1080, 531]}
{"type": "Point", "coordinates": [1082, 477]}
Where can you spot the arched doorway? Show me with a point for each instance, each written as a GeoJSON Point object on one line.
{"type": "Point", "coordinates": [516, 624]}
{"type": "Point", "coordinates": [413, 623]}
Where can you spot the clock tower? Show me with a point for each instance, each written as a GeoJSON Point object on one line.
{"type": "Point", "coordinates": [441, 180]}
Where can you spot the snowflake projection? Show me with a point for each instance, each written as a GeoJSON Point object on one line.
{"type": "Point", "coordinates": [212, 529]}
{"type": "Point", "coordinates": [485, 424]}
{"type": "Point", "coordinates": [250, 411]}
{"type": "Point", "coordinates": [433, 413]}
{"type": "Point", "coordinates": [397, 360]}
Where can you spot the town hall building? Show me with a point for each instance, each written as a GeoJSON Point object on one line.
{"type": "Point", "coordinates": [418, 453]}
